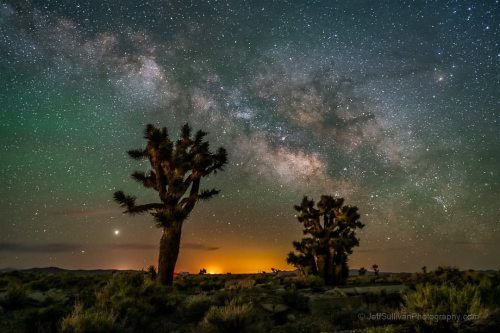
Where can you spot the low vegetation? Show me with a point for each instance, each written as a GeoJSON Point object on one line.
{"type": "Point", "coordinates": [272, 302]}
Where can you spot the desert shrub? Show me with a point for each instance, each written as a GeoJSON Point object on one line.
{"type": "Point", "coordinates": [86, 296]}
{"type": "Point", "coordinates": [345, 318]}
{"type": "Point", "coordinates": [134, 300]}
{"type": "Point", "coordinates": [316, 283]}
{"type": "Point", "coordinates": [393, 299]}
{"type": "Point", "coordinates": [44, 283]}
{"type": "Point", "coordinates": [381, 329]}
{"type": "Point", "coordinates": [233, 317]}
{"type": "Point", "coordinates": [15, 296]}
{"type": "Point", "coordinates": [120, 287]}
{"type": "Point", "coordinates": [185, 283]}
{"type": "Point", "coordinates": [302, 325]}
{"type": "Point", "coordinates": [449, 275]}
{"type": "Point", "coordinates": [246, 283]}
{"type": "Point", "coordinates": [298, 282]}
{"type": "Point", "coordinates": [444, 275]}
{"type": "Point", "coordinates": [69, 280]}
{"type": "Point", "coordinates": [435, 300]}
{"type": "Point", "coordinates": [214, 284]}
{"type": "Point", "coordinates": [164, 300]}
{"type": "Point", "coordinates": [4, 281]}
{"type": "Point", "coordinates": [444, 299]}
{"type": "Point", "coordinates": [296, 300]}
{"type": "Point", "coordinates": [488, 325]}
{"type": "Point", "coordinates": [89, 321]}
{"type": "Point", "coordinates": [489, 289]}
{"type": "Point", "coordinates": [195, 307]}
{"type": "Point", "coordinates": [222, 297]}
{"type": "Point", "coordinates": [45, 319]}
{"type": "Point", "coordinates": [240, 283]}
{"type": "Point", "coordinates": [261, 278]}
{"type": "Point", "coordinates": [334, 313]}
{"type": "Point", "coordinates": [132, 296]}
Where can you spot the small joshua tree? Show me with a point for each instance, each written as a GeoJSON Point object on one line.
{"type": "Point", "coordinates": [203, 271]}
{"type": "Point", "coordinates": [362, 271]}
{"type": "Point", "coordinates": [375, 269]}
{"type": "Point", "coordinates": [424, 270]}
{"type": "Point", "coordinates": [177, 169]}
{"type": "Point", "coordinates": [331, 230]}
{"type": "Point", "coordinates": [152, 272]}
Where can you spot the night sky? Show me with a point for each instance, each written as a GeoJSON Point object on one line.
{"type": "Point", "coordinates": [393, 105]}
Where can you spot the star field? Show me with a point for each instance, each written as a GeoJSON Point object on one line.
{"type": "Point", "coordinates": [393, 105]}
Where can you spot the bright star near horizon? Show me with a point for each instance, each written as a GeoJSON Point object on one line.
{"type": "Point", "coordinates": [116, 232]}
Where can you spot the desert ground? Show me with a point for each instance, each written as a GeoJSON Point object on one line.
{"type": "Point", "coordinates": [54, 300]}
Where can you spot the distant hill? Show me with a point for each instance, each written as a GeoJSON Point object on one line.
{"type": "Point", "coordinates": [57, 270]}
{"type": "Point", "coordinates": [355, 272]}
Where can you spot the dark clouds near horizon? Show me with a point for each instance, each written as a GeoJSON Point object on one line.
{"type": "Point", "coordinates": [391, 104]}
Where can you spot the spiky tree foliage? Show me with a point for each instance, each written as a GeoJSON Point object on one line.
{"type": "Point", "coordinates": [177, 168]}
{"type": "Point", "coordinates": [304, 259]}
{"type": "Point", "coordinates": [330, 230]}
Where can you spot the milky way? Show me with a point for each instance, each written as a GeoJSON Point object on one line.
{"type": "Point", "coordinates": [393, 105]}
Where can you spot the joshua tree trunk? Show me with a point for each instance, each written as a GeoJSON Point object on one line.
{"type": "Point", "coordinates": [320, 264]}
{"type": "Point", "coordinates": [169, 251]}
{"type": "Point", "coordinates": [329, 276]}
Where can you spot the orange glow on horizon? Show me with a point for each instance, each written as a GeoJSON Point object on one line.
{"type": "Point", "coordinates": [234, 262]}
{"type": "Point", "coordinates": [212, 269]}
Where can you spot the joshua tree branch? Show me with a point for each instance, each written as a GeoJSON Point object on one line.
{"type": "Point", "coordinates": [148, 181]}
{"type": "Point", "coordinates": [208, 194]}
{"type": "Point", "coordinates": [144, 208]}
{"type": "Point", "coordinates": [193, 196]}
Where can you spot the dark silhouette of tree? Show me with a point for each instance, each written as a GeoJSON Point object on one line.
{"type": "Point", "coordinates": [424, 269]}
{"type": "Point", "coordinates": [362, 271]}
{"type": "Point", "coordinates": [152, 272]}
{"type": "Point", "coordinates": [304, 260]}
{"type": "Point", "coordinates": [176, 172]}
{"type": "Point", "coordinates": [203, 271]}
{"type": "Point", "coordinates": [331, 237]}
{"type": "Point", "coordinates": [375, 269]}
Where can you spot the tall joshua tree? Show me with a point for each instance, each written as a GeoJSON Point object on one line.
{"type": "Point", "coordinates": [331, 237]}
{"type": "Point", "coordinates": [176, 172]}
